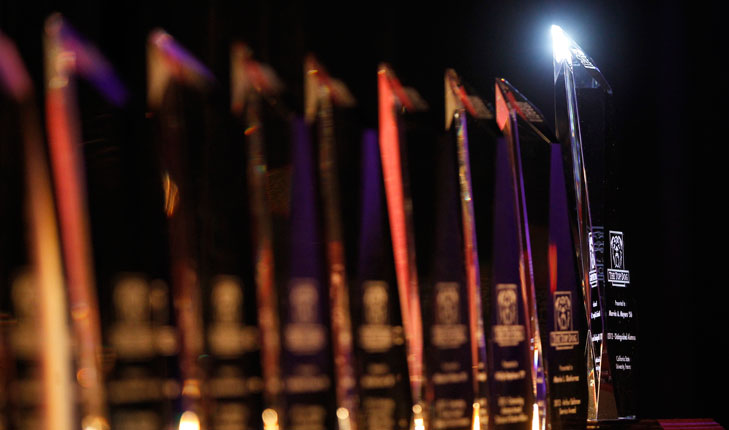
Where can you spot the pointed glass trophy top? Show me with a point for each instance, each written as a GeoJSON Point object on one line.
{"type": "Point", "coordinates": [395, 100]}
{"type": "Point", "coordinates": [567, 53]}
{"type": "Point", "coordinates": [458, 98]}
{"type": "Point", "coordinates": [167, 60]}
{"type": "Point", "coordinates": [248, 75]}
{"type": "Point", "coordinates": [406, 97]}
{"type": "Point", "coordinates": [69, 54]}
{"type": "Point", "coordinates": [318, 83]}
{"type": "Point", "coordinates": [526, 110]}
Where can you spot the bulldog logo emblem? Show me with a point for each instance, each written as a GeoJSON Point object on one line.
{"type": "Point", "coordinates": [563, 311]}
{"type": "Point", "coordinates": [506, 300]}
{"type": "Point", "coordinates": [616, 250]}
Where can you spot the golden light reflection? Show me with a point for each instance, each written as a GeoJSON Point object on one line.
{"type": "Point", "coordinates": [343, 419]}
{"type": "Point", "coordinates": [191, 388]}
{"type": "Point", "coordinates": [535, 417]}
{"type": "Point", "coordinates": [80, 312]}
{"type": "Point", "coordinates": [94, 422]}
{"type": "Point", "coordinates": [418, 421]}
{"type": "Point", "coordinates": [270, 419]}
{"type": "Point", "coordinates": [172, 194]}
{"type": "Point", "coordinates": [189, 421]}
{"type": "Point", "coordinates": [86, 377]}
{"type": "Point", "coordinates": [476, 417]}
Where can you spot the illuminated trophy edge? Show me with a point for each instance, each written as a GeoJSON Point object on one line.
{"type": "Point", "coordinates": [392, 99]}
{"type": "Point", "coordinates": [507, 111]}
{"type": "Point", "coordinates": [169, 63]}
{"type": "Point", "coordinates": [322, 94]}
{"type": "Point", "coordinates": [459, 104]}
{"type": "Point", "coordinates": [252, 83]}
{"type": "Point", "coordinates": [554, 265]}
{"type": "Point", "coordinates": [611, 401]}
{"type": "Point", "coordinates": [55, 356]}
{"type": "Point", "coordinates": [68, 56]}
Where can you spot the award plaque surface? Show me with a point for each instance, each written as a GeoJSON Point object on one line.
{"type": "Point", "coordinates": [323, 95]}
{"type": "Point", "coordinates": [254, 91]}
{"type": "Point", "coordinates": [566, 317]}
{"type": "Point", "coordinates": [513, 393]}
{"type": "Point", "coordinates": [381, 363]}
{"type": "Point", "coordinates": [557, 290]}
{"type": "Point", "coordinates": [460, 108]}
{"type": "Point", "coordinates": [305, 338]}
{"type": "Point", "coordinates": [583, 108]}
{"type": "Point", "coordinates": [394, 101]}
{"type": "Point", "coordinates": [447, 307]}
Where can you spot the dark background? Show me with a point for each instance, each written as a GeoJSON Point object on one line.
{"type": "Point", "coordinates": [662, 60]}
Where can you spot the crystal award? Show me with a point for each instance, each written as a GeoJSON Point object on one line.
{"type": "Point", "coordinates": [174, 80]}
{"type": "Point", "coordinates": [306, 344]}
{"type": "Point", "coordinates": [254, 86]}
{"type": "Point", "coordinates": [516, 344]}
{"type": "Point", "coordinates": [61, 45]}
{"type": "Point", "coordinates": [459, 106]}
{"type": "Point", "coordinates": [381, 361]}
{"type": "Point", "coordinates": [394, 100]}
{"type": "Point", "coordinates": [555, 288]}
{"type": "Point", "coordinates": [323, 94]}
{"type": "Point", "coordinates": [46, 318]}
{"type": "Point", "coordinates": [583, 108]}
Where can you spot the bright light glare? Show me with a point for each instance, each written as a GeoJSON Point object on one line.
{"type": "Point", "coordinates": [418, 421]}
{"type": "Point", "coordinates": [189, 421]}
{"type": "Point", "coordinates": [560, 44]}
{"type": "Point", "coordinates": [270, 419]}
{"type": "Point", "coordinates": [535, 417]}
{"type": "Point", "coordinates": [343, 419]}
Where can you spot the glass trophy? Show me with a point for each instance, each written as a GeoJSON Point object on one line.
{"type": "Point", "coordinates": [233, 368]}
{"type": "Point", "coordinates": [583, 108]}
{"type": "Point", "coordinates": [174, 81]}
{"type": "Point", "coordinates": [254, 91]}
{"type": "Point", "coordinates": [306, 345]}
{"type": "Point", "coordinates": [472, 127]}
{"type": "Point", "coordinates": [395, 101]}
{"type": "Point", "coordinates": [37, 296]}
{"type": "Point", "coordinates": [323, 94]}
{"type": "Point", "coordinates": [458, 107]}
{"type": "Point", "coordinates": [555, 280]}
{"type": "Point", "coordinates": [232, 362]}
{"type": "Point", "coordinates": [381, 360]}
{"type": "Point", "coordinates": [515, 359]}
{"type": "Point", "coordinates": [67, 55]}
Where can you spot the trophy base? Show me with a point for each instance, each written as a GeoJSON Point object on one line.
{"type": "Point", "coordinates": [599, 421]}
{"type": "Point", "coordinates": [657, 424]}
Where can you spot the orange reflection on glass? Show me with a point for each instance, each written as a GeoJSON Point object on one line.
{"type": "Point", "coordinates": [270, 419]}
{"type": "Point", "coordinates": [552, 267]}
{"type": "Point", "coordinates": [93, 422]}
{"type": "Point", "coordinates": [476, 417]}
{"type": "Point", "coordinates": [191, 388]}
{"type": "Point", "coordinates": [172, 195]}
{"type": "Point", "coordinates": [86, 377]}
{"type": "Point", "coordinates": [250, 130]}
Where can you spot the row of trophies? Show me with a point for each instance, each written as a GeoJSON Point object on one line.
{"type": "Point", "coordinates": [510, 316]}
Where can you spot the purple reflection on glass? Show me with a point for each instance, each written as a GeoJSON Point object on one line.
{"type": "Point", "coordinates": [179, 56]}
{"type": "Point", "coordinates": [88, 61]}
{"type": "Point", "coordinates": [305, 244]}
{"type": "Point", "coordinates": [371, 234]}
